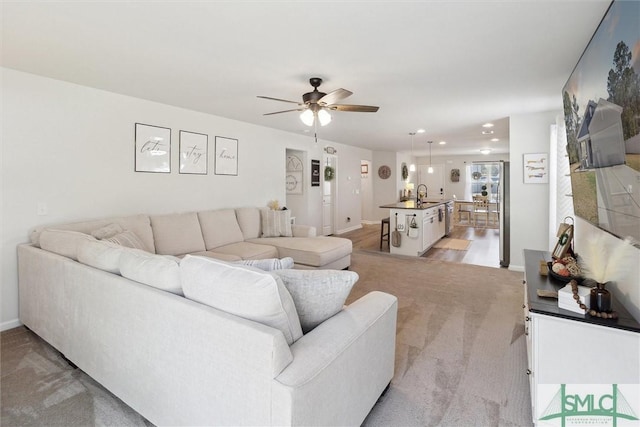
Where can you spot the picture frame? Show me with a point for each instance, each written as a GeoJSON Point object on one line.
{"type": "Point", "coordinates": [364, 169]}
{"type": "Point", "coordinates": [226, 156]}
{"type": "Point", "coordinates": [194, 153]}
{"type": "Point", "coordinates": [536, 168]}
{"type": "Point", "coordinates": [315, 173]}
{"type": "Point", "coordinates": [152, 148]}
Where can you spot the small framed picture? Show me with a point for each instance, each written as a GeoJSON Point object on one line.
{"type": "Point", "coordinates": [193, 153]}
{"type": "Point", "coordinates": [364, 169]}
{"type": "Point", "coordinates": [152, 148]}
{"type": "Point", "coordinates": [226, 162]}
{"type": "Point", "coordinates": [315, 173]}
{"type": "Point", "coordinates": [536, 168]}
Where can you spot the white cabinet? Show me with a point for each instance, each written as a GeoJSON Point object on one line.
{"type": "Point", "coordinates": [571, 349]}
{"type": "Point", "coordinates": [430, 229]}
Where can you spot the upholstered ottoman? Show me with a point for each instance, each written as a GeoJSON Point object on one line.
{"type": "Point", "coordinates": [312, 252]}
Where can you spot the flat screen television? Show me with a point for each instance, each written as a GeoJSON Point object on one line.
{"type": "Point", "coordinates": [602, 117]}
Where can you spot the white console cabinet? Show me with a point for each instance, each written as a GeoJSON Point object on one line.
{"type": "Point", "coordinates": [569, 348]}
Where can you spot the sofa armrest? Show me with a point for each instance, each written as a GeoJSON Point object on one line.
{"type": "Point", "coordinates": [303, 230]}
{"type": "Point", "coordinates": [343, 364]}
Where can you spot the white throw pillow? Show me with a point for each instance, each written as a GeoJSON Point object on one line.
{"type": "Point", "coordinates": [317, 294]}
{"type": "Point", "coordinates": [276, 223]}
{"type": "Point", "coordinates": [159, 271]}
{"type": "Point", "coordinates": [128, 239]}
{"type": "Point", "coordinates": [241, 291]}
{"type": "Point", "coordinates": [100, 254]}
{"type": "Point", "coordinates": [268, 264]}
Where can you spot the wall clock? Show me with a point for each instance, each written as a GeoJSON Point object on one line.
{"type": "Point", "coordinates": [384, 171]}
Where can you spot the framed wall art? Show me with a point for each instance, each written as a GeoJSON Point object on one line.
{"type": "Point", "coordinates": [315, 173]}
{"type": "Point", "coordinates": [226, 160]}
{"type": "Point", "coordinates": [536, 168]}
{"type": "Point", "coordinates": [152, 148]}
{"type": "Point", "coordinates": [294, 174]}
{"type": "Point", "coordinates": [193, 153]}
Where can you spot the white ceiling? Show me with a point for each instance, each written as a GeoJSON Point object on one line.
{"type": "Point", "coordinates": [445, 66]}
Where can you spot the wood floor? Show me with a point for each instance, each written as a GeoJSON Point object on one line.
{"type": "Point", "coordinates": [483, 250]}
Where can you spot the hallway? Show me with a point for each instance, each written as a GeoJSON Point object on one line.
{"type": "Point", "coordinates": [484, 249]}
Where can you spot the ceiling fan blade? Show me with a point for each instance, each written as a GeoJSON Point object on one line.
{"type": "Point", "coordinates": [355, 108]}
{"type": "Point", "coordinates": [334, 96]}
{"type": "Point", "coordinates": [281, 100]}
{"type": "Point", "coordinates": [284, 111]}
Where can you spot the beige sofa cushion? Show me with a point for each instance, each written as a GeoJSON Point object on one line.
{"type": "Point", "coordinates": [177, 234]}
{"type": "Point", "coordinates": [248, 250]}
{"type": "Point", "coordinates": [219, 228]}
{"type": "Point", "coordinates": [312, 251]}
{"type": "Point", "coordinates": [241, 291]}
{"type": "Point", "coordinates": [63, 242]}
{"type": "Point", "coordinates": [218, 255]}
{"type": "Point", "coordinates": [158, 271]}
{"type": "Point", "coordinates": [249, 221]}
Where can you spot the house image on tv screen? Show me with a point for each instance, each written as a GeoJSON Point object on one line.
{"type": "Point", "coordinates": [600, 137]}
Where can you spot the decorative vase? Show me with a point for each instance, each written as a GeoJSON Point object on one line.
{"type": "Point", "coordinates": [600, 298]}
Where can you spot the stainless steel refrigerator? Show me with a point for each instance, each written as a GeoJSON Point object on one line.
{"type": "Point", "coordinates": [504, 210]}
{"type": "Point", "coordinates": [501, 182]}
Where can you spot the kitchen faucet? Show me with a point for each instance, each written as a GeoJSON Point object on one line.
{"type": "Point", "coordinates": [418, 199]}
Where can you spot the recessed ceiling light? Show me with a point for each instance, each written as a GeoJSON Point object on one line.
{"type": "Point", "coordinates": [485, 151]}
{"type": "Point", "coordinates": [494, 140]}
{"type": "Point", "coordinates": [487, 125]}
{"type": "Point", "coordinates": [487, 132]}
{"type": "Point", "coordinates": [442, 142]}
{"type": "Point", "coordinates": [420, 131]}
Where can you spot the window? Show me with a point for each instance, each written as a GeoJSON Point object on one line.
{"type": "Point", "coordinates": [483, 179]}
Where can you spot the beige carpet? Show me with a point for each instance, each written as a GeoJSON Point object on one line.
{"type": "Point", "coordinates": [457, 244]}
{"type": "Point", "coordinates": [460, 355]}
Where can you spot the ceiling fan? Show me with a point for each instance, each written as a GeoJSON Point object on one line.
{"type": "Point", "coordinates": [315, 105]}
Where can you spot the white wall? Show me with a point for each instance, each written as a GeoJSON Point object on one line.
{"type": "Point", "coordinates": [70, 148]}
{"type": "Point", "coordinates": [384, 190]}
{"type": "Point", "coordinates": [528, 133]}
{"type": "Point", "coordinates": [348, 214]}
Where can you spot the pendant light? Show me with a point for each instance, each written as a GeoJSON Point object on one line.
{"type": "Point", "coordinates": [412, 166]}
{"type": "Point", "coordinates": [430, 169]}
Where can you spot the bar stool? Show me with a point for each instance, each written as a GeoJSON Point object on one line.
{"type": "Point", "coordinates": [384, 236]}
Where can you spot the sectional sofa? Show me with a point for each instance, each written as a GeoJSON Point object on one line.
{"type": "Point", "coordinates": [178, 328]}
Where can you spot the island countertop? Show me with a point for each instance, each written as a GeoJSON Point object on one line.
{"type": "Point", "coordinates": [411, 204]}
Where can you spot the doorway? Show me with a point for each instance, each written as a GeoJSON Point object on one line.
{"type": "Point", "coordinates": [328, 195]}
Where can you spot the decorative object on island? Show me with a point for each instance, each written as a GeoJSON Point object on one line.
{"type": "Point", "coordinates": [536, 168]}
{"type": "Point", "coordinates": [194, 153]}
{"type": "Point", "coordinates": [384, 172]}
{"type": "Point", "coordinates": [455, 175]}
{"type": "Point", "coordinates": [315, 173]}
{"type": "Point", "coordinates": [329, 173]}
{"type": "Point", "coordinates": [152, 148]}
{"type": "Point", "coordinates": [226, 162]}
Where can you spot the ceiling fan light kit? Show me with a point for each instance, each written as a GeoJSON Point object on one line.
{"type": "Point", "coordinates": [315, 105]}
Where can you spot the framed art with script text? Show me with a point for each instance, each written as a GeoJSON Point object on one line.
{"type": "Point", "coordinates": [226, 161]}
{"type": "Point", "coordinates": [193, 153]}
{"type": "Point", "coordinates": [153, 148]}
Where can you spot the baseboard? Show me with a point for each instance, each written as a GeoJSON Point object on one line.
{"type": "Point", "coordinates": [345, 230]}
{"type": "Point", "coordinates": [369, 222]}
{"type": "Point", "coordinates": [516, 268]}
{"type": "Point", "coordinates": [4, 326]}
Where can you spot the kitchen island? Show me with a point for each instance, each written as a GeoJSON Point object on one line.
{"type": "Point", "coordinates": [420, 225]}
